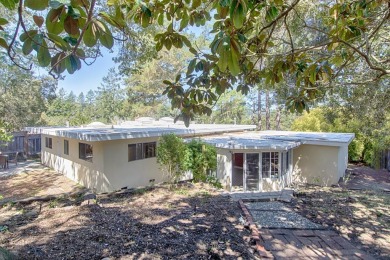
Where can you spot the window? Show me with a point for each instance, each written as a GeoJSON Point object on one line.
{"type": "Point", "coordinates": [149, 150]}
{"type": "Point", "coordinates": [66, 147]}
{"type": "Point", "coordinates": [141, 151]}
{"type": "Point", "coordinates": [85, 152]}
{"type": "Point", "coordinates": [49, 142]}
{"type": "Point", "coordinates": [270, 164]}
{"type": "Point", "coordinates": [135, 152]}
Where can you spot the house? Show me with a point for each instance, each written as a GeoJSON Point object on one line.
{"type": "Point", "coordinates": [272, 160]}
{"type": "Point", "coordinates": [108, 158]}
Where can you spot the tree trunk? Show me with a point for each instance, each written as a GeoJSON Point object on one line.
{"type": "Point", "coordinates": [267, 111]}
{"type": "Point", "coordinates": [259, 124]}
{"type": "Point", "coordinates": [277, 119]}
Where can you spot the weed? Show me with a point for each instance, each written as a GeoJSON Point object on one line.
{"type": "Point", "coordinates": [140, 191]}
{"type": "Point", "coordinates": [1, 197]}
{"type": "Point", "coordinates": [53, 203]}
{"type": "Point", "coordinates": [182, 191]}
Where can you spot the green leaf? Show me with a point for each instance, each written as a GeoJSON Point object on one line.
{"type": "Point", "coordinates": [9, 4]}
{"type": "Point", "coordinates": [24, 36]}
{"type": "Point", "coordinates": [59, 42]}
{"type": "Point", "coordinates": [91, 35]}
{"type": "Point", "coordinates": [271, 13]}
{"type": "Point", "coordinates": [184, 22]}
{"type": "Point", "coordinates": [238, 15]}
{"type": "Point", "coordinates": [37, 5]}
{"type": "Point", "coordinates": [223, 60]}
{"type": "Point", "coordinates": [27, 47]}
{"type": "Point", "coordinates": [37, 41]}
{"type": "Point", "coordinates": [72, 41]}
{"type": "Point", "coordinates": [3, 43]}
{"type": "Point", "coordinates": [56, 4]}
{"type": "Point", "coordinates": [233, 62]}
{"type": "Point", "coordinates": [57, 65]}
{"type": "Point", "coordinates": [191, 66]}
{"type": "Point", "coordinates": [3, 21]}
{"type": "Point", "coordinates": [72, 64]}
{"type": "Point", "coordinates": [106, 38]}
{"type": "Point", "coordinates": [56, 27]}
{"type": "Point", "coordinates": [43, 55]}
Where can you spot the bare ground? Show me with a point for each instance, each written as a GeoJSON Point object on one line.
{"type": "Point", "coordinates": [190, 222]}
{"type": "Point", "coordinates": [358, 209]}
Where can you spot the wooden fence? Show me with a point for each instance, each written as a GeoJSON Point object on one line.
{"type": "Point", "coordinates": [385, 159]}
{"type": "Point", "coordinates": [24, 142]}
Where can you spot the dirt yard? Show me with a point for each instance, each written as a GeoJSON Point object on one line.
{"type": "Point", "coordinates": [35, 180]}
{"type": "Point", "coordinates": [190, 222]}
{"type": "Point", "coordinates": [359, 209]}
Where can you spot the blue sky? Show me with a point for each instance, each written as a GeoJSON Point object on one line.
{"type": "Point", "coordinates": [88, 77]}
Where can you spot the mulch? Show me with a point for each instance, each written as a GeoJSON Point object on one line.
{"type": "Point", "coordinates": [190, 222]}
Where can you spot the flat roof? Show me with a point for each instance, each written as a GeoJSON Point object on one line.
{"type": "Point", "coordinates": [276, 140]}
{"type": "Point", "coordinates": [114, 132]}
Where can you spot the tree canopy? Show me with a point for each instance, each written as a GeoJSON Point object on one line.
{"type": "Point", "coordinates": [319, 45]}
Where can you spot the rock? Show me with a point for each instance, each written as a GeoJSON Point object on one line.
{"type": "Point", "coordinates": [31, 214]}
{"type": "Point", "coordinates": [352, 199]}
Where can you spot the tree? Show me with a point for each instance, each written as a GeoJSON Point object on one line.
{"type": "Point", "coordinates": [21, 99]}
{"type": "Point", "coordinates": [317, 44]}
{"type": "Point", "coordinates": [172, 155]}
{"type": "Point", "coordinates": [109, 98]}
{"type": "Point", "coordinates": [202, 160]}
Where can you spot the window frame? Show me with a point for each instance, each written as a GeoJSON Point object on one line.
{"type": "Point", "coordinates": [49, 142]}
{"type": "Point", "coordinates": [83, 149]}
{"type": "Point", "coordinates": [270, 165]}
{"type": "Point", "coordinates": [141, 151]}
{"type": "Point", "coordinates": [66, 147]}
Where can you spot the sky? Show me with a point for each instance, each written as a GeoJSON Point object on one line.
{"type": "Point", "coordinates": [88, 77]}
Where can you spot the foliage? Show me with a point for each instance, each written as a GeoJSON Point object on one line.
{"type": "Point", "coordinates": [5, 135]}
{"type": "Point", "coordinates": [366, 146]}
{"type": "Point", "coordinates": [312, 122]}
{"type": "Point", "coordinates": [202, 160]}
{"type": "Point", "coordinates": [172, 155]}
{"type": "Point", "coordinates": [23, 97]}
{"type": "Point", "coordinates": [317, 45]}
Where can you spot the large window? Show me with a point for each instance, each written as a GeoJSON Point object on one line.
{"type": "Point", "coordinates": [270, 164]}
{"type": "Point", "coordinates": [66, 147]}
{"type": "Point", "coordinates": [141, 151]}
{"type": "Point", "coordinates": [85, 152]}
{"type": "Point", "coordinates": [48, 142]}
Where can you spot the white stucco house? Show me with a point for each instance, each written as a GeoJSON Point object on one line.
{"type": "Point", "coordinates": [108, 158]}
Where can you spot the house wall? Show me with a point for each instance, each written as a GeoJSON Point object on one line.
{"type": "Point", "coordinates": [343, 161]}
{"type": "Point", "coordinates": [317, 164]}
{"type": "Point", "coordinates": [110, 169]}
{"type": "Point", "coordinates": [123, 173]}
{"type": "Point", "coordinates": [88, 174]}
{"type": "Point", "coordinates": [224, 167]}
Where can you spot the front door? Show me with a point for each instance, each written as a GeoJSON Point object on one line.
{"type": "Point", "coordinates": [252, 172]}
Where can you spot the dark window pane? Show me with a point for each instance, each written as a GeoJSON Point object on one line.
{"type": "Point", "coordinates": [85, 152]}
{"type": "Point", "coordinates": [149, 150]}
{"type": "Point", "coordinates": [66, 147]}
{"type": "Point", "coordinates": [132, 152]}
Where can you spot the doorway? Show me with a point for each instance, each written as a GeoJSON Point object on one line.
{"type": "Point", "coordinates": [252, 180]}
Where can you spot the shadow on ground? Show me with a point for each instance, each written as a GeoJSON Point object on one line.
{"type": "Point", "coordinates": [188, 223]}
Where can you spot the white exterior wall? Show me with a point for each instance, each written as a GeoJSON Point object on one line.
{"type": "Point", "coordinates": [88, 174]}
{"type": "Point", "coordinates": [343, 160]}
{"type": "Point", "coordinates": [123, 173]}
{"type": "Point", "coordinates": [317, 164]}
{"type": "Point", "coordinates": [224, 167]}
{"type": "Point", "coordinates": [110, 169]}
